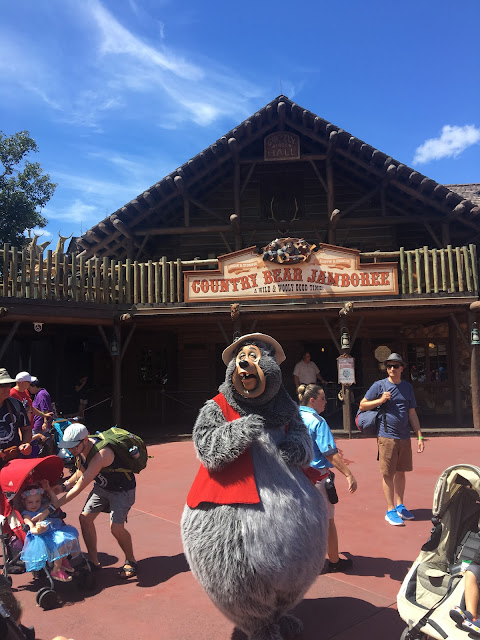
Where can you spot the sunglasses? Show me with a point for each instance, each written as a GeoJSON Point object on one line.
{"type": "Point", "coordinates": [393, 366]}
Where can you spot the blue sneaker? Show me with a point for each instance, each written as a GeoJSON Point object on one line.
{"type": "Point", "coordinates": [471, 626]}
{"type": "Point", "coordinates": [458, 615]}
{"type": "Point", "coordinates": [392, 517]}
{"type": "Point", "coordinates": [404, 513]}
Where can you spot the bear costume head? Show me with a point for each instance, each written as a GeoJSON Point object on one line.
{"type": "Point", "coordinates": [253, 368]}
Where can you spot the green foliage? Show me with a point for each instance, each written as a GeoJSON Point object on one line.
{"type": "Point", "coordinates": [24, 188]}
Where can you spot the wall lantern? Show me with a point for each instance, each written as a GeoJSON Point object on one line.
{"type": "Point", "coordinates": [345, 340]}
{"type": "Point", "coordinates": [114, 347]}
{"type": "Point", "coordinates": [475, 337]}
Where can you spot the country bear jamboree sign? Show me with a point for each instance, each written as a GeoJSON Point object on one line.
{"type": "Point", "coordinates": [327, 273]}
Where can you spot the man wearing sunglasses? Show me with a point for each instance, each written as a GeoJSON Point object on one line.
{"type": "Point", "coordinates": [394, 442]}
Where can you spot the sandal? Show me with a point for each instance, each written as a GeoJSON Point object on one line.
{"type": "Point", "coordinates": [129, 570]}
{"type": "Point", "coordinates": [93, 567]}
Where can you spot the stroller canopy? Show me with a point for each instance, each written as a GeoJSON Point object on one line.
{"type": "Point", "coordinates": [17, 473]}
{"type": "Point", "coordinates": [450, 482]}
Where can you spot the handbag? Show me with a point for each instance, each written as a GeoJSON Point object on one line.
{"type": "Point", "coordinates": [368, 422]}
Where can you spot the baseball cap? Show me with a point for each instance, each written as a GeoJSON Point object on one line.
{"type": "Point", "coordinates": [73, 435]}
{"type": "Point", "coordinates": [23, 376]}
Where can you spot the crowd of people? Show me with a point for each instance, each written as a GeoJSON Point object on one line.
{"type": "Point", "coordinates": [26, 431]}
{"type": "Point", "coordinates": [26, 422]}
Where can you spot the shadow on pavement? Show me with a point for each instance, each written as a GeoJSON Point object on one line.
{"type": "Point", "coordinates": [378, 567]}
{"type": "Point", "coordinates": [341, 619]}
{"type": "Point", "coordinates": [158, 569]}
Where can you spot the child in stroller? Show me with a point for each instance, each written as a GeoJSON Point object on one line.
{"type": "Point", "coordinates": [437, 596]}
{"type": "Point", "coordinates": [49, 539]}
{"type": "Point", "coordinates": [15, 478]}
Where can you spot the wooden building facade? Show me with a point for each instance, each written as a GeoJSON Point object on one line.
{"type": "Point", "coordinates": [115, 305]}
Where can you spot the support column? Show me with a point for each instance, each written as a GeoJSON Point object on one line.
{"type": "Point", "coordinates": [474, 369]}
{"type": "Point", "coordinates": [117, 374]}
{"type": "Point", "coordinates": [457, 399]}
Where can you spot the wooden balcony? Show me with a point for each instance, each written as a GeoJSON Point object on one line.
{"type": "Point", "coordinates": [422, 272]}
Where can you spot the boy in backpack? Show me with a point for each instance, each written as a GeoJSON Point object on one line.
{"type": "Point", "coordinates": [113, 491]}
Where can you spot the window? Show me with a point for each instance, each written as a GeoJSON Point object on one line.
{"type": "Point", "coordinates": [427, 361]}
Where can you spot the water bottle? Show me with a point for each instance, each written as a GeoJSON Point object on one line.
{"type": "Point", "coordinates": [134, 452]}
{"type": "Point", "coordinates": [330, 488]}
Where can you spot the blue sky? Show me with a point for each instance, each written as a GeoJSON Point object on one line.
{"type": "Point", "coordinates": [118, 93]}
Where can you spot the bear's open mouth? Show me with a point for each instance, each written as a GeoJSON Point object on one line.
{"type": "Point", "coordinates": [247, 376]}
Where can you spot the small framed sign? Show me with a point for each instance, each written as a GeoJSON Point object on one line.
{"type": "Point", "coordinates": [346, 370]}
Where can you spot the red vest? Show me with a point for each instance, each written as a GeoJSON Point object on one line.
{"type": "Point", "coordinates": [234, 484]}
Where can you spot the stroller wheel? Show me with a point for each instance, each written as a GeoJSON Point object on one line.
{"type": "Point", "coordinates": [47, 598]}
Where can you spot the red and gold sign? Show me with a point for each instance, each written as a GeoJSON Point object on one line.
{"type": "Point", "coordinates": [327, 273]}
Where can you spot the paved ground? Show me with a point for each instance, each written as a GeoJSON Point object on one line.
{"type": "Point", "coordinates": [166, 602]}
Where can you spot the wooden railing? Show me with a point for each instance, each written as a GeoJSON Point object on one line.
{"type": "Point", "coordinates": [69, 277]}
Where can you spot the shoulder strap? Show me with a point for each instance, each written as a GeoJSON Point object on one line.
{"type": "Point", "coordinates": [93, 451]}
{"type": "Point", "coordinates": [383, 411]}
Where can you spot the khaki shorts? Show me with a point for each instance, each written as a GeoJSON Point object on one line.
{"type": "Point", "coordinates": [394, 455]}
{"type": "Point", "coordinates": [117, 503]}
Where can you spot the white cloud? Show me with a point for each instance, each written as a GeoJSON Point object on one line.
{"type": "Point", "coordinates": [121, 72]}
{"type": "Point", "coordinates": [78, 211]}
{"type": "Point", "coordinates": [452, 141]}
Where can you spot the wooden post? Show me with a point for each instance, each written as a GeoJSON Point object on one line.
{"type": "Point", "coordinates": [236, 320]}
{"type": "Point", "coordinates": [455, 373]}
{"type": "Point", "coordinates": [475, 370]}
{"type": "Point", "coordinates": [8, 339]}
{"type": "Point", "coordinates": [346, 389]}
{"type": "Point", "coordinates": [117, 376]}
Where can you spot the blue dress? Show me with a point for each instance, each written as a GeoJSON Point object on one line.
{"type": "Point", "coordinates": [58, 541]}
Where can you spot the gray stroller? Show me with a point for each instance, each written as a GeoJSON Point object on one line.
{"type": "Point", "coordinates": [435, 583]}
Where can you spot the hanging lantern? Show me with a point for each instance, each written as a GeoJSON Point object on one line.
{"type": "Point", "coordinates": [345, 340]}
{"type": "Point", "coordinates": [475, 337]}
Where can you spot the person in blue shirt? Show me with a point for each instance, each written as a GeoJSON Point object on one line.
{"type": "Point", "coordinates": [394, 444]}
{"type": "Point", "coordinates": [312, 404]}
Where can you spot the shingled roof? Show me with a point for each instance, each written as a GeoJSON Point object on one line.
{"type": "Point", "coordinates": [455, 202]}
{"type": "Point", "coordinates": [468, 191]}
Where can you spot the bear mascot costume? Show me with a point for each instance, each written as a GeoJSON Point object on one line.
{"type": "Point", "coordinates": [254, 528]}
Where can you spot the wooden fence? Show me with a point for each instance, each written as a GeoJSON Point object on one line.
{"type": "Point", "coordinates": [68, 277]}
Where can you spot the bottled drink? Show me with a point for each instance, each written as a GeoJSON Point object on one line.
{"type": "Point", "coordinates": [134, 452]}
{"type": "Point", "coordinates": [330, 488]}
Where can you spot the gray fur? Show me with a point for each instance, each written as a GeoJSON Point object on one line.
{"type": "Point", "coordinates": [256, 562]}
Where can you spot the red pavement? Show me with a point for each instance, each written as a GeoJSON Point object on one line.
{"type": "Point", "coordinates": [166, 603]}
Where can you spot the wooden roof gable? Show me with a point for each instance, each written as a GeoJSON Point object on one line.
{"type": "Point", "coordinates": [360, 161]}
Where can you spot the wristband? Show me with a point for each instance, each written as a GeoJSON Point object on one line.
{"type": "Point", "coordinates": [420, 437]}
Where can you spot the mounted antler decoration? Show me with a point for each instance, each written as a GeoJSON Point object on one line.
{"type": "Point", "coordinates": [282, 223]}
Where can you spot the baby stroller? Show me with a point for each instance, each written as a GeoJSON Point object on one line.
{"type": "Point", "coordinates": [435, 582]}
{"type": "Point", "coordinates": [13, 477]}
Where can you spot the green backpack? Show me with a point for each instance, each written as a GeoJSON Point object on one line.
{"type": "Point", "coordinates": [122, 442]}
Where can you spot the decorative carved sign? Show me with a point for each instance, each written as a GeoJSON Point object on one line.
{"type": "Point", "coordinates": [327, 273]}
{"type": "Point", "coordinates": [287, 250]}
{"type": "Point", "coordinates": [281, 145]}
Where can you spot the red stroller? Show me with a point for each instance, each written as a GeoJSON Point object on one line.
{"type": "Point", "coordinates": [13, 477]}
